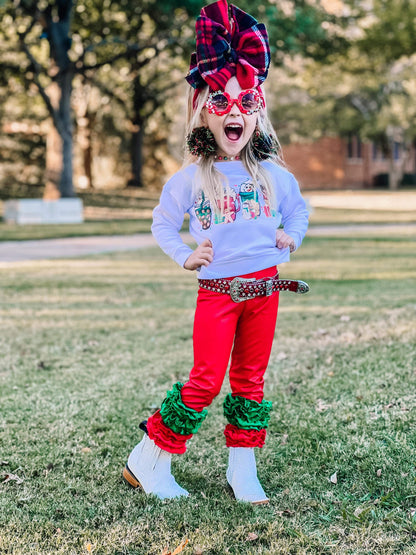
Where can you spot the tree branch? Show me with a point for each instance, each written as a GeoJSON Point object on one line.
{"type": "Point", "coordinates": [34, 64]}
{"type": "Point", "coordinates": [132, 50]}
{"type": "Point", "coordinates": [103, 88]}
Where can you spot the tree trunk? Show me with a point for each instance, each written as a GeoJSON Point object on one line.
{"type": "Point", "coordinates": [66, 186]}
{"type": "Point", "coordinates": [53, 150]}
{"type": "Point", "coordinates": [59, 144]}
{"type": "Point", "coordinates": [85, 118]}
{"type": "Point", "coordinates": [394, 178]}
{"type": "Point", "coordinates": [87, 152]}
{"type": "Point", "coordinates": [53, 164]}
{"type": "Point", "coordinates": [136, 153]}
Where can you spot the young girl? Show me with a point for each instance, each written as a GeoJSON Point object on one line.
{"type": "Point", "coordinates": [246, 215]}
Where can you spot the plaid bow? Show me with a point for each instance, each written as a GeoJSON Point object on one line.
{"type": "Point", "coordinates": [227, 47]}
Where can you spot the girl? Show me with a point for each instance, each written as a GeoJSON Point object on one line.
{"type": "Point", "coordinates": [247, 215]}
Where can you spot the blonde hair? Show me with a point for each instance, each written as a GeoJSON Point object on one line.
{"type": "Point", "coordinates": [208, 178]}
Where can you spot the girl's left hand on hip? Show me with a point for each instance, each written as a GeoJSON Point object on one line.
{"type": "Point", "coordinates": [283, 240]}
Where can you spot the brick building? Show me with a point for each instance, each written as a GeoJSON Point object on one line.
{"type": "Point", "coordinates": [337, 163]}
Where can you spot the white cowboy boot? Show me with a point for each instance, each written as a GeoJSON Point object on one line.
{"type": "Point", "coordinates": [148, 467]}
{"type": "Point", "coordinates": [242, 476]}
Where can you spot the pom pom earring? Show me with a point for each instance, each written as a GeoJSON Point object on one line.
{"type": "Point", "coordinates": [201, 142]}
{"type": "Point", "coordinates": [264, 145]}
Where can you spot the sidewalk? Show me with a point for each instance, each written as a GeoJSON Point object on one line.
{"type": "Point", "coordinates": [19, 251]}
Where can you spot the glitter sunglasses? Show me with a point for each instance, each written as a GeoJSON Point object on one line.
{"type": "Point", "coordinates": [220, 102]}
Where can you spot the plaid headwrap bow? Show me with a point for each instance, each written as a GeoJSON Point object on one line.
{"type": "Point", "coordinates": [226, 47]}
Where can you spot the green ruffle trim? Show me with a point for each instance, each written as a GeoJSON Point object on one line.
{"type": "Point", "coordinates": [177, 416]}
{"type": "Point", "coordinates": [247, 414]}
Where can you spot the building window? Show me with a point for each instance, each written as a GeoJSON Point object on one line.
{"type": "Point", "coordinates": [359, 144]}
{"type": "Point", "coordinates": [354, 147]}
{"type": "Point", "coordinates": [396, 150]}
{"type": "Point", "coordinates": [350, 148]}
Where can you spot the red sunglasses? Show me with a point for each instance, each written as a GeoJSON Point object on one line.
{"type": "Point", "coordinates": [220, 102]}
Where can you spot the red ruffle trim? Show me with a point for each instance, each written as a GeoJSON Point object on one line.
{"type": "Point", "coordinates": [236, 437]}
{"type": "Point", "coordinates": [164, 437]}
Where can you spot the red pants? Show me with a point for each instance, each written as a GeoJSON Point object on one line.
{"type": "Point", "coordinates": [222, 328]}
{"type": "Point", "coordinates": [220, 322]}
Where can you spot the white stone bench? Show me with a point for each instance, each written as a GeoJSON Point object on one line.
{"type": "Point", "coordinates": [38, 211]}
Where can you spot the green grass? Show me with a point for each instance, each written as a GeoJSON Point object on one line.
{"type": "Point", "coordinates": [90, 346]}
{"type": "Point", "coordinates": [129, 211]}
{"type": "Point", "coordinates": [339, 215]}
{"type": "Point", "coordinates": [13, 232]}
{"type": "Point", "coordinates": [105, 213]}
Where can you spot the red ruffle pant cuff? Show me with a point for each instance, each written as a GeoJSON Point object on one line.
{"type": "Point", "coordinates": [236, 437]}
{"type": "Point", "coordinates": [164, 437]}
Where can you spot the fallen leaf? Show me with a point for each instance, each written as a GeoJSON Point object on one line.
{"type": "Point", "coordinates": [286, 491]}
{"type": "Point", "coordinates": [345, 318]}
{"type": "Point", "coordinates": [180, 547]}
{"type": "Point", "coordinates": [88, 547]}
{"type": "Point", "coordinates": [281, 356]}
{"type": "Point", "coordinates": [251, 536]}
{"type": "Point", "coordinates": [331, 374]}
{"type": "Point", "coordinates": [12, 478]}
{"type": "Point", "coordinates": [334, 478]}
{"type": "Point", "coordinates": [329, 360]}
{"type": "Point", "coordinates": [198, 550]}
{"type": "Point", "coordinates": [321, 331]}
{"type": "Point", "coordinates": [378, 472]}
{"type": "Point", "coordinates": [86, 450]}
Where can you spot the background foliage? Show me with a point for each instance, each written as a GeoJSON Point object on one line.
{"type": "Point", "coordinates": [340, 67]}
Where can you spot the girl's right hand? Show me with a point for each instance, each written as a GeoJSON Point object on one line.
{"type": "Point", "coordinates": [202, 256]}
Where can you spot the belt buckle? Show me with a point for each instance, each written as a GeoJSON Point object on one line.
{"type": "Point", "coordinates": [269, 287]}
{"type": "Point", "coordinates": [235, 289]}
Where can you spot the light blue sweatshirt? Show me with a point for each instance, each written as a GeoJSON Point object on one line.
{"type": "Point", "coordinates": [244, 238]}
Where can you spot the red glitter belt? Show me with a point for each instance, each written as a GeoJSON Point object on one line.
{"type": "Point", "coordinates": [243, 289]}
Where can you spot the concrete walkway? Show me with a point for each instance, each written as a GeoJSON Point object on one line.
{"type": "Point", "coordinates": [18, 251]}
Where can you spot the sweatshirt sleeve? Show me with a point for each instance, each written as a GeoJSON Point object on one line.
{"type": "Point", "coordinates": [168, 218]}
{"type": "Point", "coordinates": [294, 212]}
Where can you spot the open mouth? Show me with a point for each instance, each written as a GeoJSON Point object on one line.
{"type": "Point", "coordinates": [233, 131]}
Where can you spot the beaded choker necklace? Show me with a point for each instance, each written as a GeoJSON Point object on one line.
{"type": "Point", "coordinates": [227, 158]}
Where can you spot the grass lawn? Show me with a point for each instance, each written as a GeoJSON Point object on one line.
{"type": "Point", "coordinates": [13, 232]}
{"type": "Point", "coordinates": [105, 213]}
{"type": "Point", "coordinates": [130, 211]}
{"type": "Point", "coordinates": [90, 347]}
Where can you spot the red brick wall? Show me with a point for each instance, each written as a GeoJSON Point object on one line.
{"type": "Point", "coordinates": [319, 164]}
{"type": "Point", "coordinates": [324, 164]}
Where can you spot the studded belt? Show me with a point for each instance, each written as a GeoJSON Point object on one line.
{"type": "Point", "coordinates": [243, 289]}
